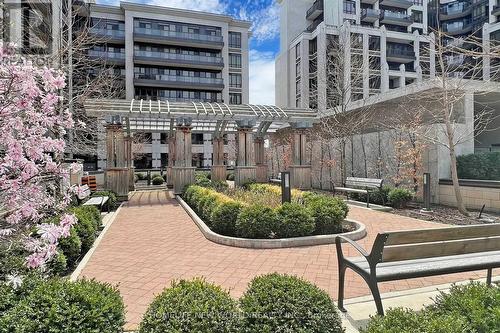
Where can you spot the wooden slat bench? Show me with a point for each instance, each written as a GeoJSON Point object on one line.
{"type": "Point", "coordinates": [360, 185]}
{"type": "Point", "coordinates": [95, 201]}
{"type": "Point", "coordinates": [410, 254]}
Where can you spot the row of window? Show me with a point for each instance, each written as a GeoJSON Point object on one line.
{"type": "Point", "coordinates": [177, 27]}
{"type": "Point", "coordinates": [176, 50]}
{"type": "Point", "coordinates": [177, 94]}
{"type": "Point", "coordinates": [234, 80]}
{"type": "Point", "coordinates": [235, 39]}
{"type": "Point", "coordinates": [145, 161]}
{"type": "Point", "coordinates": [234, 60]}
{"type": "Point", "coordinates": [176, 72]}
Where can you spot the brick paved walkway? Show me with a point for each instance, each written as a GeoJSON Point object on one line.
{"type": "Point", "coordinates": [153, 241]}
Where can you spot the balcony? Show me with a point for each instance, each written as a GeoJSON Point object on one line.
{"type": "Point", "coordinates": [459, 10]}
{"type": "Point", "coordinates": [315, 10]}
{"type": "Point", "coordinates": [400, 55]}
{"type": "Point", "coordinates": [315, 24]}
{"type": "Point", "coordinates": [458, 29]}
{"type": "Point", "coordinates": [370, 2]}
{"type": "Point", "coordinates": [395, 18]}
{"type": "Point", "coordinates": [177, 38]}
{"type": "Point", "coordinates": [496, 10]}
{"type": "Point", "coordinates": [403, 4]}
{"type": "Point", "coordinates": [178, 81]}
{"type": "Point", "coordinates": [453, 61]}
{"type": "Point", "coordinates": [177, 59]}
{"type": "Point", "coordinates": [117, 35]}
{"type": "Point", "coordinates": [369, 15]}
{"type": "Point", "coordinates": [177, 99]}
{"type": "Point", "coordinates": [110, 57]}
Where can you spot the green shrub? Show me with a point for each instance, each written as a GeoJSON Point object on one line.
{"type": "Point", "coordinates": [293, 220]}
{"type": "Point", "coordinates": [203, 181]}
{"type": "Point", "coordinates": [408, 321]}
{"type": "Point", "coordinates": [12, 258]}
{"type": "Point", "coordinates": [86, 226]}
{"type": "Point", "coordinates": [230, 176]}
{"type": "Point", "coordinates": [158, 180]}
{"type": "Point", "coordinates": [164, 176]}
{"type": "Point", "coordinates": [95, 215]}
{"type": "Point", "coordinates": [58, 265]}
{"type": "Point", "coordinates": [60, 306]}
{"type": "Point", "coordinates": [256, 221]}
{"type": "Point", "coordinates": [328, 213]}
{"type": "Point", "coordinates": [71, 247]}
{"type": "Point", "coordinates": [112, 197]}
{"type": "Point", "coordinates": [476, 303]}
{"type": "Point", "coordinates": [399, 197]}
{"type": "Point", "coordinates": [141, 176]}
{"type": "Point", "coordinates": [224, 217]}
{"type": "Point", "coordinates": [282, 303]}
{"type": "Point", "coordinates": [484, 166]}
{"type": "Point", "coordinates": [8, 299]}
{"type": "Point", "coordinates": [378, 197]}
{"type": "Point", "coordinates": [219, 185]}
{"type": "Point", "coordinates": [191, 306]}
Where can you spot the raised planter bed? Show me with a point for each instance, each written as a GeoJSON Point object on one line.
{"type": "Point", "coordinates": [358, 233]}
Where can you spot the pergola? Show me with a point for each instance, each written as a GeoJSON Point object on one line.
{"type": "Point", "coordinates": [179, 120]}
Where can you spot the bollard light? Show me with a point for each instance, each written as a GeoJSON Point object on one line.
{"type": "Point", "coordinates": [427, 192]}
{"type": "Point", "coordinates": [286, 188]}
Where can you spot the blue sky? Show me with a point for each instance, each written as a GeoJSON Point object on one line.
{"type": "Point", "coordinates": [264, 45]}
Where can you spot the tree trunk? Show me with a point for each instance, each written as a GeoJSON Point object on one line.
{"type": "Point", "coordinates": [454, 176]}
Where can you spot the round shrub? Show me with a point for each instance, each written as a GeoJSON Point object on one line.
{"type": "Point", "coordinates": [328, 213]}
{"type": "Point", "coordinates": [224, 217]}
{"type": "Point", "coordinates": [408, 321]}
{"type": "Point", "coordinates": [282, 303]}
{"type": "Point", "coordinates": [140, 176]}
{"type": "Point", "coordinates": [60, 306]}
{"type": "Point", "coordinates": [399, 197]}
{"type": "Point", "coordinates": [230, 177]}
{"type": "Point", "coordinates": [158, 180]}
{"type": "Point", "coordinates": [191, 306]}
{"type": "Point", "coordinates": [256, 221]}
{"type": "Point", "coordinates": [71, 247]}
{"type": "Point", "coordinates": [293, 220]}
{"type": "Point", "coordinates": [85, 228]}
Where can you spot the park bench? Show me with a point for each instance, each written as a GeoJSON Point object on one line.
{"type": "Point", "coordinates": [360, 185]}
{"type": "Point", "coordinates": [410, 254]}
{"type": "Point", "coordinates": [94, 201]}
{"type": "Point", "coordinates": [276, 180]}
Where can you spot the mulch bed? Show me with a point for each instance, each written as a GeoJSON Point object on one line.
{"type": "Point", "coordinates": [448, 215]}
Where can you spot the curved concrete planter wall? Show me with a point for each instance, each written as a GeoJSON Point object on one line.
{"type": "Point", "coordinates": [358, 233]}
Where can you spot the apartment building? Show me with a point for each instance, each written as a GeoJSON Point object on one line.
{"type": "Point", "coordinates": [159, 53]}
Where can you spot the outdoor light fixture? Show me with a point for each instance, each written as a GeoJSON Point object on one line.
{"type": "Point", "coordinates": [286, 189]}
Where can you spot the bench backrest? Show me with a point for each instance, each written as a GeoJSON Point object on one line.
{"type": "Point", "coordinates": [84, 192]}
{"type": "Point", "coordinates": [440, 242]}
{"type": "Point", "coordinates": [363, 182]}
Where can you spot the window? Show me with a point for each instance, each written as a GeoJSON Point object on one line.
{"type": "Point", "coordinates": [234, 98]}
{"type": "Point", "coordinates": [417, 16]}
{"type": "Point", "coordinates": [234, 60]}
{"type": "Point", "coordinates": [234, 80]}
{"type": "Point", "coordinates": [349, 7]}
{"type": "Point", "coordinates": [235, 39]}
{"type": "Point", "coordinates": [197, 138]}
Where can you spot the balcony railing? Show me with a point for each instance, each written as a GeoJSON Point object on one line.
{"type": "Point", "coordinates": [179, 78]}
{"type": "Point", "coordinates": [465, 27]}
{"type": "Point", "coordinates": [456, 9]}
{"type": "Point", "coordinates": [314, 25]}
{"type": "Point", "coordinates": [107, 55]}
{"type": "Point", "coordinates": [369, 13]}
{"type": "Point", "coordinates": [395, 15]}
{"type": "Point", "coordinates": [404, 4]}
{"type": "Point", "coordinates": [400, 52]}
{"type": "Point", "coordinates": [315, 10]}
{"type": "Point", "coordinates": [177, 99]}
{"type": "Point", "coordinates": [179, 35]}
{"type": "Point", "coordinates": [179, 56]}
{"type": "Point", "coordinates": [108, 32]}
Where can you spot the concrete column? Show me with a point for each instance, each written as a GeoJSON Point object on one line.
{"type": "Point", "coordinates": [486, 52]}
{"type": "Point", "coordinates": [384, 67]}
{"type": "Point", "coordinates": [321, 74]}
{"type": "Point", "coordinates": [346, 39]}
{"type": "Point", "coordinates": [366, 66]}
{"type": "Point", "coordinates": [129, 55]}
{"type": "Point", "coordinates": [491, 17]}
{"type": "Point", "coordinates": [300, 171]}
{"type": "Point", "coordinates": [245, 170]}
{"type": "Point", "coordinates": [117, 174]}
{"type": "Point", "coordinates": [260, 160]}
{"type": "Point", "coordinates": [402, 77]}
{"type": "Point", "coordinates": [183, 172]}
{"type": "Point", "coordinates": [416, 49]}
{"type": "Point", "coordinates": [219, 171]}
{"type": "Point", "coordinates": [304, 73]}
{"type": "Point", "coordinates": [432, 54]}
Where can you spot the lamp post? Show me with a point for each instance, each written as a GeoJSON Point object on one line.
{"type": "Point", "coordinates": [427, 193]}
{"type": "Point", "coordinates": [286, 189]}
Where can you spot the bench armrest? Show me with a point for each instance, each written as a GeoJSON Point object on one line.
{"type": "Point", "coordinates": [339, 240]}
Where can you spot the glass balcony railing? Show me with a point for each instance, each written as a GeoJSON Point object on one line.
{"type": "Point", "coordinates": [368, 12]}
{"type": "Point", "coordinates": [315, 10]}
{"type": "Point", "coordinates": [176, 34]}
{"type": "Point", "coordinates": [395, 15]}
{"type": "Point", "coordinates": [179, 56]}
{"type": "Point", "coordinates": [457, 8]}
{"type": "Point", "coordinates": [400, 52]}
{"type": "Point", "coordinates": [177, 99]}
{"type": "Point", "coordinates": [178, 78]}
{"type": "Point", "coordinates": [107, 55]}
{"type": "Point", "coordinates": [107, 32]}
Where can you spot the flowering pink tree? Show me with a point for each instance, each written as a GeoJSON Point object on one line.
{"type": "Point", "coordinates": [32, 129]}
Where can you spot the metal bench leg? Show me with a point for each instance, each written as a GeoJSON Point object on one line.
{"type": "Point", "coordinates": [488, 276]}
{"type": "Point", "coordinates": [340, 304]}
{"type": "Point", "coordinates": [376, 296]}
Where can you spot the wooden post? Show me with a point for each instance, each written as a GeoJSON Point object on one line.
{"type": "Point", "coordinates": [128, 161]}
{"type": "Point", "coordinates": [171, 160]}
{"type": "Point", "coordinates": [218, 167]}
{"type": "Point", "coordinates": [300, 170]}
{"type": "Point", "coordinates": [117, 173]}
{"type": "Point", "coordinates": [260, 160]}
{"type": "Point", "coordinates": [183, 172]}
{"type": "Point", "coordinates": [245, 170]}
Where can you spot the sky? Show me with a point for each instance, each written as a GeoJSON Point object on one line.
{"type": "Point", "coordinates": [264, 44]}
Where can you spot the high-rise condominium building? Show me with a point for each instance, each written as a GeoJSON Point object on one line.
{"type": "Point", "coordinates": [161, 54]}
{"type": "Point", "coordinates": [393, 38]}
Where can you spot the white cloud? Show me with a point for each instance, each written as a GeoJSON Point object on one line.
{"type": "Point", "coordinates": [265, 21]}
{"type": "Point", "coordinates": [261, 77]}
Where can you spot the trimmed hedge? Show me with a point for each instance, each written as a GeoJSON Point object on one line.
{"type": "Point", "coordinates": [224, 216]}
{"type": "Point", "coordinates": [484, 166]}
{"type": "Point", "coordinates": [60, 306]}
{"type": "Point", "coordinates": [283, 303]}
{"type": "Point", "coordinates": [71, 247]}
{"type": "Point", "coordinates": [293, 220]}
{"type": "Point", "coordinates": [191, 306]}
{"type": "Point", "coordinates": [400, 197]}
{"type": "Point", "coordinates": [328, 213]}
{"type": "Point", "coordinates": [158, 180]}
{"type": "Point", "coordinates": [474, 307]}
{"type": "Point", "coordinates": [256, 221]}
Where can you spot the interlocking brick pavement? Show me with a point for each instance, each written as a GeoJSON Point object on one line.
{"type": "Point", "coordinates": [153, 242]}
